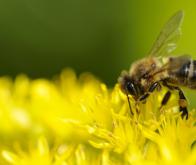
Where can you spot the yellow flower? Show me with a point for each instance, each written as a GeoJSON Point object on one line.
{"type": "Point", "coordinates": [72, 120]}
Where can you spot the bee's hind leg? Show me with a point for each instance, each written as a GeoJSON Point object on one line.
{"type": "Point", "coordinates": [182, 103]}
{"type": "Point", "coordinates": [182, 100]}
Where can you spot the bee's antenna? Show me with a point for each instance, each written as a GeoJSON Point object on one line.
{"type": "Point", "coordinates": [129, 104]}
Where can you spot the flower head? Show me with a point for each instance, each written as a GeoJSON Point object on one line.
{"type": "Point", "coordinates": [72, 120]}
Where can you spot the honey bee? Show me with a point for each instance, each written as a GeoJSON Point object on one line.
{"type": "Point", "coordinates": [159, 69]}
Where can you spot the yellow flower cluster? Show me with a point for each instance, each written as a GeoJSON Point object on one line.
{"type": "Point", "coordinates": [79, 121]}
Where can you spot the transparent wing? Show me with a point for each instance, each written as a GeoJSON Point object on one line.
{"type": "Point", "coordinates": [175, 63]}
{"type": "Point", "coordinates": [168, 37]}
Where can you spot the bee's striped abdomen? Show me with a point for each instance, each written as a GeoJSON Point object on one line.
{"type": "Point", "coordinates": [192, 75]}
{"type": "Point", "coordinates": [184, 72]}
{"type": "Point", "coordinates": [187, 74]}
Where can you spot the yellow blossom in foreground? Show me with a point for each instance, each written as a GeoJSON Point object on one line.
{"type": "Point", "coordinates": [70, 120]}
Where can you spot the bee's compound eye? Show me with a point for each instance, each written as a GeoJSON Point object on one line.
{"type": "Point", "coordinates": [131, 88]}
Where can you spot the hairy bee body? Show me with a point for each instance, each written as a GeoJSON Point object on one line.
{"type": "Point", "coordinates": [185, 75]}
{"type": "Point", "coordinates": [142, 72]}
{"type": "Point", "coordinates": [159, 68]}
{"type": "Point", "coordinates": [179, 71]}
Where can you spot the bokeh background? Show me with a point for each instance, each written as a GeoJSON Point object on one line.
{"type": "Point", "coordinates": [41, 37]}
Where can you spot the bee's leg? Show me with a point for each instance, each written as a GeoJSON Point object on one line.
{"type": "Point", "coordinates": [182, 100]}
{"type": "Point", "coordinates": [150, 90]}
{"type": "Point", "coordinates": [182, 104]}
{"type": "Point", "coordinates": [165, 99]}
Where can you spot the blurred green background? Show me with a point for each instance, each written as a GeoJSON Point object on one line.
{"type": "Point", "coordinates": [41, 37]}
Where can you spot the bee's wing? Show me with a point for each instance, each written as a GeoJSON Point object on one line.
{"type": "Point", "coordinates": [177, 62]}
{"type": "Point", "coordinates": [173, 64]}
{"type": "Point", "coordinates": [168, 37]}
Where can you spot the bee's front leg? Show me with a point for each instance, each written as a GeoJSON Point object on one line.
{"type": "Point", "coordinates": [150, 90]}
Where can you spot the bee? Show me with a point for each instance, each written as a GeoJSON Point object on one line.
{"type": "Point", "coordinates": [160, 68]}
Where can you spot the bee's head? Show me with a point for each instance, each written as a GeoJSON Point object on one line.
{"type": "Point", "coordinates": [129, 86]}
